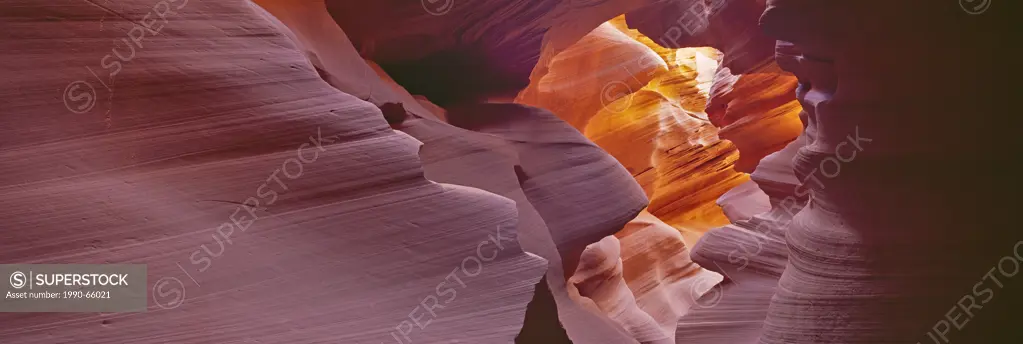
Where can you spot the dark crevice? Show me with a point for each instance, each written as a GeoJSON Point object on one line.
{"type": "Point", "coordinates": [541, 325]}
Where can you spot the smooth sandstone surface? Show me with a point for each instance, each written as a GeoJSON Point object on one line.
{"type": "Point", "coordinates": [210, 116]}
{"type": "Point", "coordinates": [492, 163]}
{"type": "Point", "coordinates": [243, 152]}
{"type": "Point", "coordinates": [555, 167]}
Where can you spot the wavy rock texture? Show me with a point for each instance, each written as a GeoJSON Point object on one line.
{"type": "Point", "coordinates": [330, 51]}
{"type": "Point", "coordinates": [744, 201]}
{"type": "Point", "coordinates": [645, 281]}
{"type": "Point", "coordinates": [856, 248]}
{"type": "Point", "coordinates": [876, 228]}
{"type": "Point", "coordinates": [459, 156]}
{"type": "Point", "coordinates": [750, 253]}
{"type": "Point", "coordinates": [757, 111]}
{"type": "Point", "coordinates": [556, 166]}
{"type": "Point", "coordinates": [677, 280]}
{"type": "Point", "coordinates": [754, 110]}
{"type": "Point", "coordinates": [569, 92]}
{"type": "Point", "coordinates": [604, 66]}
{"type": "Point", "coordinates": [536, 237]}
{"type": "Point", "coordinates": [186, 144]}
{"type": "Point", "coordinates": [464, 157]}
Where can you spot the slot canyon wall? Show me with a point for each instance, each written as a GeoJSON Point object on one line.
{"type": "Point", "coordinates": [864, 242]}
{"type": "Point", "coordinates": [495, 171]}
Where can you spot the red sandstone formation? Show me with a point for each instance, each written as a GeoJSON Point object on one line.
{"type": "Point", "coordinates": [323, 171]}
{"type": "Point", "coordinates": [644, 106]}
{"type": "Point", "coordinates": [757, 111]}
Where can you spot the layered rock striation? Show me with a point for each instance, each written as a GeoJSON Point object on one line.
{"type": "Point", "coordinates": [267, 205]}
{"type": "Point", "coordinates": [331, 171]}
{"type": "Point", "coordinates": [868, 248]}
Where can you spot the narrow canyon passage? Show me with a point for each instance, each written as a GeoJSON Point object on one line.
{"type": "Point", "coordinates": [496, 171]}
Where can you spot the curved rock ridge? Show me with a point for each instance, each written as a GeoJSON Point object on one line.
{"type": "Point", "coordinates": [499, 164]}
{"type": "Point", "coordinates": [859, 246]}
{"type": "Point", "coordinates": [876, 228]}
{"type": "Point", "coordinates": [330, 51]}
{"type": "Point", "coordinates": [750, 253]}
{"type": "Point", "coordinates": [556, 165]}
{"type": "Point", "coordinates": [645, 281]}
{"type": "Point", "coordinates": [744, 201]}
{"type": "Point", "coordinates": [604, 66]}
{"type": "Point", "coordinates": [692, 70]}
{"type": "Point", "coordinates": [268, 205]}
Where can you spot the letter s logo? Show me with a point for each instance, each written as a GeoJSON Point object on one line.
{"type": "Point", "coordinates": [166, 287]}
{"type": "Point", "coordinates": [18, 280]}
{"type": "Point", "coordinates": [73, 97]}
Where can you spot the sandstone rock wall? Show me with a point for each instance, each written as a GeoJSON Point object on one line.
{"type": "Point", "coordinates": [267, 205]}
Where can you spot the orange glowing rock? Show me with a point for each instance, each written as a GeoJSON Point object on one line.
{"type": "Point", "coordinates": [658, 132]}
{"type": "Point", "coordinates": [604, 66]}
{"type": "Point", "coordinates": [652, 122]}
{"type": "Point", "coordinates": [683, 157]}
{"type": "Point", "coordinates": [757, 111]}
{"type": "Point", "coordinates": [675, 155]}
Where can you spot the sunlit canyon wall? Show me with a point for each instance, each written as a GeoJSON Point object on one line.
{"type": "Point", "coordinates": [494, 171]}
